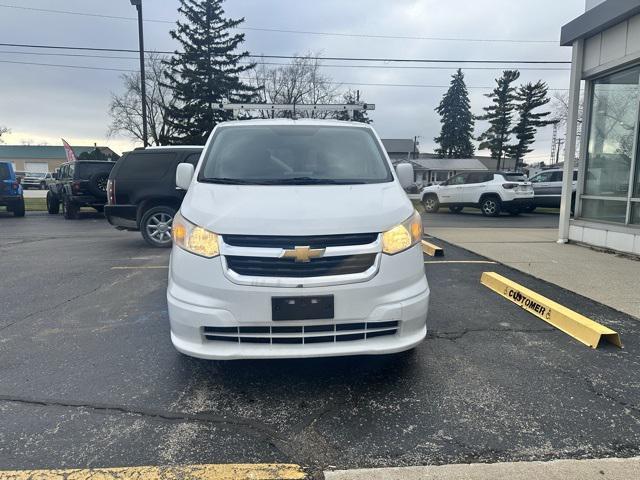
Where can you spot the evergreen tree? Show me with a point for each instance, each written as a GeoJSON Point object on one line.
{"type": "Point", "coordinates": [499, 115]}
{"type": "Point", "coordinates": [457, 121]}
{"type": "Point", "coordinates": [529, 97]}
{"type": "Point", "coordinates": [352, 97]}
{"type": "Point", "coordinates": [206, 72]}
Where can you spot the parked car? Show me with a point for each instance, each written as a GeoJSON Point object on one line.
{"type": "Point", "coordinates": [11, 190]}
{"type": "Point", "coordinates": [491, 192]}
{"type": "Point", "coordinates": [142, 193]}
{"type": "Point", "coordinates": [79, 184]}
{"type": "Point", "coordinates": [295, 239]}
{"type": "Point", "coordinates": [547, 186]}
{"type": "Point", "coordinates": [37, 180]}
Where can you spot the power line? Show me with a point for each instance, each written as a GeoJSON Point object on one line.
{"type": "Point", "coordinates": [405, 85]}
{"type": "Point", "coordinates": [291, 57]}
{"type": "Point", "coordinates": [297, 32]}
{"type": "Point", "coordinates": [385, 67]}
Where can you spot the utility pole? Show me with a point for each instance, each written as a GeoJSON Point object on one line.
{"type": "Point", "coordinates": [143, 83]}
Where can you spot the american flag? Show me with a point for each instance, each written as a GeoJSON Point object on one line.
{"type": "Point", "coordinates": [71, 157]}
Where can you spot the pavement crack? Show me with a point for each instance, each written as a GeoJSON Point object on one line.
{"type": "Point", "coordinates": [453, 336]}
{"type": "Point", "coordinates": [51, 307]}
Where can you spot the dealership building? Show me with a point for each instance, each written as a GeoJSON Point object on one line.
{"type": "Point", "coordinates": [605, 43]}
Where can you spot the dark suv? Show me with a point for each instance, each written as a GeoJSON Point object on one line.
{"type": "Point", "coordinates": [142, 191]}
{"type": "Point", "coordinates": [79, 184]}
{"type": "Point", "coordinates": [10, 190]}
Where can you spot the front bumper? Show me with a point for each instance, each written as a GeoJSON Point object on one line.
{"type": "Point", "coordinates": [199, 295]}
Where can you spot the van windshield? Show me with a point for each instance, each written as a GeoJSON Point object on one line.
{"type": "Point", "coordinates": [294, 155]}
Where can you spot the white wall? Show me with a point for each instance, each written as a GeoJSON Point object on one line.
{"type": "Point", "coordinates": [616, 45]}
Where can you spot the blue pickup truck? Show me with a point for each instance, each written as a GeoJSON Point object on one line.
{"type": "Point", "coordinates": [10, 190]}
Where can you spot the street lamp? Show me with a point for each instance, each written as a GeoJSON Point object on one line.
{"type": "Point", "coordinates": [143, 85]}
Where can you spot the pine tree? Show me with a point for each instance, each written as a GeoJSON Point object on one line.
{"type": "Point", "coordinates": [352, 97]}
{"type": "Point", "coordinates": [206, 72]}
{"type": "Point", "coordinates": [457, 121]}
{"type": "Point", "coordinates": [528, 98]}
{"type": "Point", "coordinates": [499, 115]}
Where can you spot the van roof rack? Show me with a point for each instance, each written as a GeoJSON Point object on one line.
{"type": "Point", "coordinates": [295, 107]}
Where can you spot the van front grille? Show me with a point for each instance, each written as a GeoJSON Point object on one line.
{"type": "Point", "coordinates": [286, 267]}
{"type": "Point", "coordinates": [288, 241]}
{"type": "Point", "coordinates": [301, 334]}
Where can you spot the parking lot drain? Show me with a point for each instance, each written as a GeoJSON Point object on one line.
{"type": "Point", "coordinates": [572, 323]}
{"type": "Point", "coordinates": [431, 249]}
{"type": "Point", "coordinates": [196, 472]}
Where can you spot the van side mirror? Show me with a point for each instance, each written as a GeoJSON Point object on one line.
{"type": "Point", "coordinates": [405, 174]}
{"type": "Point", "coordinates": [184, 175]}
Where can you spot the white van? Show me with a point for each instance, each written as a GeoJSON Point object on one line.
{"type": "Point", "coordinates": [295, 239]}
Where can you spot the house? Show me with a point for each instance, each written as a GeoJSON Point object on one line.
{"type": "Point", "coordinates": [44, 158]}
{"type": "Point", "coordinates": [605, 43]}
{"type": "Point", "coordinates": [436, 170]}
{"type": "Point", "coordinates": [400, 148]}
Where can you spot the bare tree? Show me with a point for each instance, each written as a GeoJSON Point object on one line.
{"type": "Point", "coordinates": [560, 110]}
{"type": "Point", "coordinates": [3, 130]}
{"type": "Point", "coordinates": [126, 110]}
{"type": "Point", "coordinates": [300, 82]}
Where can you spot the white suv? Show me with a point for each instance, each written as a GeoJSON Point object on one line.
{"type": "Point", "coordinates": [491, 192]}
{"type": "Point", "coordinates": [295, 239]}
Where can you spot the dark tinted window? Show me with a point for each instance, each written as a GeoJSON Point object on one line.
{"type": "Point", "coordinates": [556, 177]}
{"type": "Point", "coordinates": [192, 159]}
{"type": "Point", "coordinates": [5, 174]}
{"type": "Point", "coordinates": [86, 170]}
{"type": "Point", "coordinates": [146, 165]}
{"type": "Point", "coordinates": [575, 176]}
{"type": "Point", "coordinates": [479, 177]}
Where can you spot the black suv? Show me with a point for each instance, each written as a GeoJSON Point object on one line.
{"type": "Point", "coordinates": [79, 184]}
{"type": "Point", "coordinates": [142, 191]}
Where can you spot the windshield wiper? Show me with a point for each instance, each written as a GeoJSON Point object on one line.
{"type": "Point", "coordinates": [311, 181]}
{"type": "Point", "coordinates": [228, 181]}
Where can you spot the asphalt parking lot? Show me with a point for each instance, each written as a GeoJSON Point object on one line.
{"type": "Point", "coordinates": [89, 378]}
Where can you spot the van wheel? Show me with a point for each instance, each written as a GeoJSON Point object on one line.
{"type": "Point", "coordinates": [71, 210]}
{"type": "Point", "coordinates": [53, 203]}
{"type": "Point", "coordinates": [155, 226]}
{"type": "Point", "coordinates": [455, 209]}
{"type": "Point", "coordinates": [18, 209]}
{"type": "Point", "coordinates": [490, 206]}
{"type": "Point", "coordinates": [431, 204]}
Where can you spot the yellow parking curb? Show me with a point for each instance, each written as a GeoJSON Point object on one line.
{"type": "Point", "coordinates": [431, 249]}
{"type": "Point", "coordinates": [572, 323]}
{"type": "Point", "coordinates": [200, 472]}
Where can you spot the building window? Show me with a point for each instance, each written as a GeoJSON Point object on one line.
{"type": "Point", "coordinates": [611, 151]}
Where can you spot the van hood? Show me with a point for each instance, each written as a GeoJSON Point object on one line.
{"type": "Point", "coordinates": [296, 210]}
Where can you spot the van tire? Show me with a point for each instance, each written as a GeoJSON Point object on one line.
{"type": "Point", "coordinates": [53, 203]}
{"type": "Point", "coordinates": [430, 203]}
{"type": "Point", "coordinates": [149, 226]}
{"type": "Point", "coordinates": [490, 206]}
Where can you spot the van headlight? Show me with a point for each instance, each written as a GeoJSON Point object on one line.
{"type": "Point", "coordinates": [403, 236]}
{"type": "Point", "coordinates": [194, 239]}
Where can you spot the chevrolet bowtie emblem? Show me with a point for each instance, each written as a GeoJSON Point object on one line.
{"type": "Point", "coordinates": [303, 254]}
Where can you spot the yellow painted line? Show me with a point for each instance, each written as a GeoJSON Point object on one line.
{"type": "Point", "coordinates": [141, 267]}
{"type": "Point", "coordinates": [572, 323]}
{"type": "Point", "coordinates": [193, 472]}
{"type": "Point", "coordinates": [431, 249]}
{"type": "Point", "coordinates": [484, 262]}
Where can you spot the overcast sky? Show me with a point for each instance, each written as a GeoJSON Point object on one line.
{"type": "Point", "coordinates": [41, 104]}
